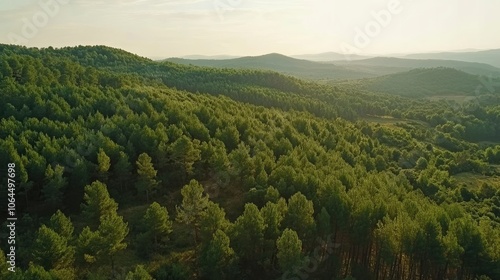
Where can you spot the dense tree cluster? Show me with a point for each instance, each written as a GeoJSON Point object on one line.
{"type": "Point", "coordinates": [134, 169]}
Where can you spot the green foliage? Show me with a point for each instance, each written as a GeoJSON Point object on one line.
{"type": "Point", "coordinates": [122, 170]}
{"type": "Point", "coordinates": [157, 223]}
{"type": "Point", "coordinates": [112, 232]}
{"type": "Point", "coordinates": [98, 203]}
{"type": "Point", "coordinates": [421, 164]}
{"type": "Point", "coordinates": [3, 265]}
{"type": "Point", "coordinates": [217, 257]}
{"type": "Point", "coordinates": [105, 242]}
{"type": "Point", "coordinates": [272, 194]}
{"type": "Point", "coordinates": [53, 189]}
{"type": "Point", "coordinates": [194, 204]}
{"type": "Point", "coordinates": [103, 165]}
{"type": "Point", "coordinates": [140, 273]}
{"type": "Point", "coordinates": [173, 271]}
{"type": "Point", "coordinates": [52, 250]}
{"type": "Point", "coordinates": [35, 272]}
{"type": "Point", "coordinates": [289, 250]}
{"type": "Point", "coordinates": [185, 153]}
{"type": "Point", "coordinates": [146, 182]}
{"type": "Point", "coordinates": [299, 216]}
{"type": "Point", "coordinates": [248, 232]}
{"type": "Point", "coordinates": [212, 220]}
{"type": "Point", "coordinates": [62, 225]}
{"type": "Point", "coordinates": [87, 246]}
{"type": "Point", "coordinates": [273, 217]}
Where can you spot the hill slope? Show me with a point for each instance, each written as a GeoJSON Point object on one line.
{"type": "Point", "coordinates": [425, 82]}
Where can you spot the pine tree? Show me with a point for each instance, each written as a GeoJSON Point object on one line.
{"type": "Point", "coordinates": [112, 232]}
{"type": "Point", "coordinates": [272, 194]}
{"type": "Point", "coordinates": [108, 239]}
{"type": "Point", "coordinates": [147, 182]}
{"type": "Point", "coordinates": [248, 233]}
{"type": "Point", "coordinates": [217, 258]}
{"type": "Point", "coordinates": [52, 250]}
{"type": "Point", "coordinates": [140, 273]}
{"type": "Point", "coordinates": [184, 153]}
{"type": "Point", "coordinates": [28, 74]}
{"type": "Point", "coordinates": [273, 218]}
{"type": "Point", "coordinates": [122, 170]}
{"type": "Point", "coordinates": [300, 215]}
{"type": "Point", "coordinates": [53, 189]}
{"type": "Point", "coordinates": [103, 165]}
{"type": "Point", "coordinates": [289, 250]}
{"type": "Point", "coordinates": [98, 203]}
{"type": "Point", "coordinates": [157, 222]}
{"type": "Point", "coordinates": [212, 219]}
{"type": "Point", "coordinates": [229, 135]}
{"type": "Point", "coordinates": [62, 225]}
{"type": "Point", "coordinates": [87, 246]}
{"type": "Point", "coordinates": [5, 70]}
{"type": "Point", "coordinates": [194, 203]}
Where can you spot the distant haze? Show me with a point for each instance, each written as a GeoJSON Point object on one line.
{"type": "Point", "coordinates": [161, 29]}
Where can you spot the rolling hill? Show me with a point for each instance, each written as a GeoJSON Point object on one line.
{"type": "Point", "coordinates": [280, 63]}
{"type": "Point", "coordinates": [425, 82]}
{"type": "Point", "coordinates": [334, 71]}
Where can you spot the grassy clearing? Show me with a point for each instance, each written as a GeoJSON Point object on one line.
{"type": "Point", "coordinates": [474, 180]}
{"type": "Point", "coordinates": [391, 121]}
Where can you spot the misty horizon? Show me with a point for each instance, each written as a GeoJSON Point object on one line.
{"type": "Point", "coordinates": [159, 29]}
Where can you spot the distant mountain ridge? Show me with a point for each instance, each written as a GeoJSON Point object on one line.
{"type": "Point", "coordinates": [491, 57]}
{"type": "Point", "coordinates": [330, 56]}
{"type": "Point", "coordinates": [406, 64]}
{"type": "Point", "coordinates": [280, 63]}
{"type": "Point", "coordinates": [338, 70]}
{"type": "Point", "coordinates": [198, 56]}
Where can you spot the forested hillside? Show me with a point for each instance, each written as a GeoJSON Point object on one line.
{"type": "Point", "coordinates": [128, 168]}
{"type": "Point", "coordinates": [431, 82]}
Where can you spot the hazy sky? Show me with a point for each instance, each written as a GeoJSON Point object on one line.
{"type": "Point", "coordinates": [165, 28]}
